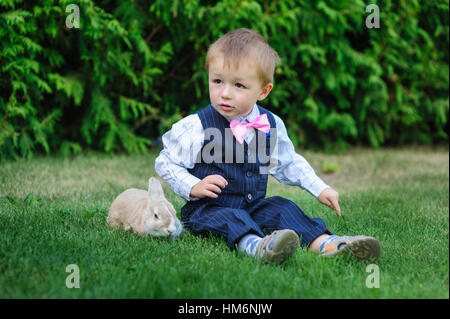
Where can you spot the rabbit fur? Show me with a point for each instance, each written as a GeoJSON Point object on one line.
{"type": "Point", "coordinates": [145, 212]}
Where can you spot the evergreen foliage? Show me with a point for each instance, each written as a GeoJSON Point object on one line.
{"type": "Point", "coordinates": [133, 68]}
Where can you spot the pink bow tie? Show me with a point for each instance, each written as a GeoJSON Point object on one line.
{"type": "Point", "coordinates": [260, 123]}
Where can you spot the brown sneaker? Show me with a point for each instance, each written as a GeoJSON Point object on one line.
{"type": "Point", "coordinates": [276, 247]}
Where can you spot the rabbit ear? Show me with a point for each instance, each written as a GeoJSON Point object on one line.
{"type": "Point", "coordinates": [155, 191]}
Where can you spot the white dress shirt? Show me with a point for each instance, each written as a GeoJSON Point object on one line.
{"type": "Point", "coordinates": [185, 140]}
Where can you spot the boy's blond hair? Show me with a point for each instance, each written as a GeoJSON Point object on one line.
{"type": "Point", "coordinates": [247, 44]}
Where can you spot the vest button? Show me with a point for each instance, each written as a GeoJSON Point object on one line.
{"type": "Point", "coordinates": [249, 174]}
{"type": "Point", "coordinates": [249, 196]}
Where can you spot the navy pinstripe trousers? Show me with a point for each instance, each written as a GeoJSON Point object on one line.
{"type": "Point", "coordinates": [265, 214]}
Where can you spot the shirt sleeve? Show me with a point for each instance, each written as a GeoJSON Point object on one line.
{"type": "Point", "coordinates": [181, 147]}
{"type": "Point", "coordinates": [291, 168]}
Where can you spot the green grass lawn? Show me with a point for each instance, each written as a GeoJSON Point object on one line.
{"type": "Point", "coordinates": [53, 213]}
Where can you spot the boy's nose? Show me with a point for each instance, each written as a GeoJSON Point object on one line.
{"type": "Point", "coordinates": [226, 92]}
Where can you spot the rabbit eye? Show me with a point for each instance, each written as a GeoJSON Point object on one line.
{"type": "Point", "coordinates": [156, 216]}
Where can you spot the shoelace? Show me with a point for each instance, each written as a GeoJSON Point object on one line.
{"type": "Point", "coordinates": [266, 243]}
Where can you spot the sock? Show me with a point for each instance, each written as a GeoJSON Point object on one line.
{"type": "Point", "coordinates": [248, 244]}
{"type": "Point", "coordinates": [328, 241]}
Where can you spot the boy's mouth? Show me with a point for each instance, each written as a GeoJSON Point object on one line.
{"type": "Point", "coordinates": [226, 107]}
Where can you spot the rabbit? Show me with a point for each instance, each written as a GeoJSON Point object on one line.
{"type": "Point", "coordinates": [145, 212]}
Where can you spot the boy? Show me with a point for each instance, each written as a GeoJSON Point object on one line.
{"type": "Point", "coordinates": [217, 160]}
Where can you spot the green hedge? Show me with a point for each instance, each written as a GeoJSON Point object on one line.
{"type": "Point", "coordinates": [133, 68]}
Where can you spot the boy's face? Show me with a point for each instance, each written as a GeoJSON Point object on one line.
{"type": "Point", "coordinates": [234, 91]}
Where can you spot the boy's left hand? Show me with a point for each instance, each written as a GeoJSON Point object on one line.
{"type": "Point", "coordinates": [330, 198]}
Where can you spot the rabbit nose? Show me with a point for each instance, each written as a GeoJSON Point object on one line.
{"type": "Point", "coordinates": [170, 232]}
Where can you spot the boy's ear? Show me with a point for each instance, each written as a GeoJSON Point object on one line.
{"type": "Point", "coordinates": [265, 91]}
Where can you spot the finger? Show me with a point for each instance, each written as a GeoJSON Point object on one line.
{"type": "Point", "coordinates": [330, 204]}
{"type": "Point", "coordinates": [210, 194]}
{"type": "Point", "coordinates": [219, 180]}
{"type": "Point", "coordinates": [337, 209]}
{"type": "Point", "coordinates": [213, 188]}
{"type": "Point", "coordinates": [223, 180]}
{"type": "Point", "coordinates": [335, 206]}
{"type": "Point", "coordinates": [327, 202]}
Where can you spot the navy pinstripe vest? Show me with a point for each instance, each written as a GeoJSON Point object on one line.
{"type": "Point", "coordinates": [239, 164]}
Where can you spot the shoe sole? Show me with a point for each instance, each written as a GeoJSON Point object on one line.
{"type": "Point", "coordinates": [362, 249]}
{"type": "Point", "coordinates": [285, 245]}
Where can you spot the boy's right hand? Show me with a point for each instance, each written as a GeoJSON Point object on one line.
{"type": "Point", "coordinates": [209, 187]}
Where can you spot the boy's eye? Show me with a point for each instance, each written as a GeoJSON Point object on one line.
{"type": "Point", "coordinates": [241, 86]}
{"type": "Point", "coordinates": [217, 81]}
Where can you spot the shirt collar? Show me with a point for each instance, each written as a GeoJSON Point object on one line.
{"type": "Point", "coordinates": [250, 117]}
